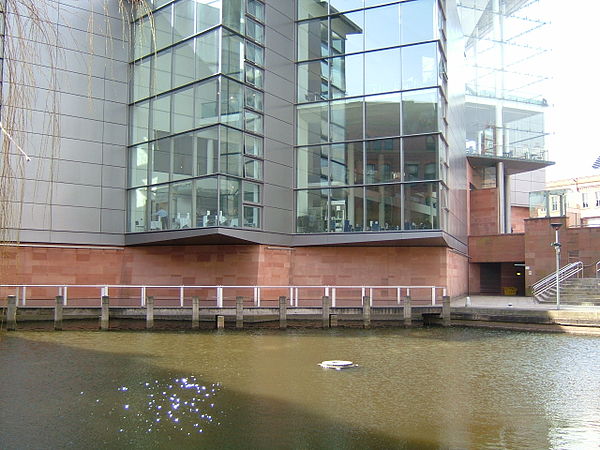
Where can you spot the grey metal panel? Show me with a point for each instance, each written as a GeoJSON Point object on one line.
{"type": "Point", "coordinates": [113, 176]}
{"type": "Point", "coordinates": [79, 173]}
{"type": "Point", "coordinates": [279, 220]}
{"type": "Point", "coordinates": [72, 218]}
{"type": "Point", "coordinates": [76, 195]}
{"type": "Point", "coordinates": [279, 152]}
{"type": "Point", "coordinates": [113, 198]}
{"type": "Point", "coordinates": [116, 91]}
{"type": "Point", "coordinates": [35, 191]}
{"type": "Point", "coordinates": [25, 235]}
{"type": "Point", "coordinates": [285, 7]}
{"type": "Point", "coordinates": [281, 43]}
{"type": "Point", "coordinates": [278, 174]}
{"type": "Point", "coordinates": [280, 66]}
{"type": "Point", "coordinates": [35, 216]}
{"type": "Point", "coordinates": [112, 221]}
{"type": "Point", "coordinates": [279, 197]}
{"type": "Point", "coordinates": [87, 238]}
{"type": "Point", "coordinates": [279, 108]}
{"type": "Point", "coordinates": [115, 133]}
{"type": "Point", "coordinates": [80, 84]}
{"type": "Point", "coordinates": [115, 112]}
{"type": "Point", "coordinates": [279, 130]}
{"type": "Point", "coordinates": [81, 106]}
{"type": "Point", "coordinates": [114, 155]}
{"type": "Point", "coordinates": [76, 150]}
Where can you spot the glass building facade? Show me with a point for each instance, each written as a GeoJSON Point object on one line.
{"type": "Point", "coordinates": [371, 128]}
{"type": "Point", "coordinates": [196, 116]}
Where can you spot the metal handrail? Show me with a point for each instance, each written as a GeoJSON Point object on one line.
{"type": "Point", "coordinates": [549, 281]}
{"type": "Point", "coordinates": [293, 298]}
{"type": "Point", "coordinates": [598, 269]}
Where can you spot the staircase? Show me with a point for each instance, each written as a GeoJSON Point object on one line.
{"type": "Point", "coordinates": [580, 290]}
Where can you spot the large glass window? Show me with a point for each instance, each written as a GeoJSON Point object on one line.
{"type": "Point", "coordinates": [312, 166]}
{"type": "Point", "coordinates": [181, 205]}
{"type": "Point", "coordinates": [420, 158]}
{"type": "Point", "coordinates": [382, 27]}
{"type": "Point", "coordinates": [208, 13]}
{"type": "Point", "coordinates": [378, 80]}
{"type": "Point", "coordinates": [183, 156]}
{"type": "Point", "coordinates": [346, 163]}
{"type": "Point", "coordinates": [232, 55]}
{"type": "Point", "coordinates": [312, 39]}
{"type": "Point", "coordinates": [206, 202]}
{"type": "Point", "coordinates": [161, 161]}
{"type": "Point", "coordinates": [382, 161]}
{"type": "Point", "coordinates": [419, 66]}
{"type": "Point", "coordinates": [311, 211]}
{"type": "Point", "coordinates": [207, 150]}
{"type": "Point", "coordinates": [137, 209]}
{"type": "Point", "coordinates": [346, 120]}
{"type": "Point", "coordinates": [230, 202]}
{"type": "Point", "coordinates": [232, 100]}
{"type": "Point", "coordinates": [138, 165]}
{"type": "Point", "coordinates": [231, 151]}
{"type": "Point", "coordinates": [183, 110]}
{"type": "Point", "coordinates": [159, 208]}
{"type": "Point", "coordinates": [346, 210]}
{"type": "Point", "coordinates": [382, 115]}
{"type": "Point", "coordinates": [421, 206]}
{"type": "Point", "coordinates": [206, 104]}
{"type": "Point", "coordinates": [383, 208]}
{"type": "Point", "coordinates": [420, 111]}
{"type": "Point", "coordinates": [417, 21]}
{"type": "Point", "coordinates": [313, 123]}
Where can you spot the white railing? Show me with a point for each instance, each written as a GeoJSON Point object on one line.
{"type": "Point", "coordinates": [219, 293]}
{"type": "Point", "coordinates": [598, 269]}
{"type": "Point", "coordinates": [549, 281]}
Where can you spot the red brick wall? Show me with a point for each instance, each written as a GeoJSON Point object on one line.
{"type": "Point", "coordinates": [484, 212]}
{"type": "Point", "coordinates": [497, 248]}
{"type": "Point", "coordinates": [582, 243]}
{"type": "Point", "coordinates": [237, 265]}
{"type": "Point", "coordinates": [518, 214]}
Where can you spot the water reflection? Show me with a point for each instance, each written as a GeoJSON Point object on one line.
{"type": "Point", "coordinates": [420, 388]}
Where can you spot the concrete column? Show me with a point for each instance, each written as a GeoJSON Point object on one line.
{"type": "Point", "coordinates": [11, 313]}
{"type": "Point", "coordinates": [104, 315]}
{"type": "Point", "coordinates": [58, 312]}
{"type": "Point", "coordinates": [220, 322]}
{"type": "Point", "coordinates": [407, 311]}
{"type": "Point", "coordinates": [282, 312]}
{"type": "Point", "coordinates": [507, 209]}
{"type": "Point", "coordinates": [501, 197]}
{"type": "Point", "coordinates": [195, 312]}
{"type": "Point", "coordinates": [333, 320]}
{"type": "Point", "coordinates": [239, 312]}
{"type": "Point", "coordinates": [326, 310]}
{"type": "Point", "coordinates": [366, 311]}
{"type": "Point", "coordinates": [149, 313]}
{"type": "Point", "coordinates": [446, 310]}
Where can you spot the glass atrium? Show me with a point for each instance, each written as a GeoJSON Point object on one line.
{"type": "Point", "coordinates": [371, 151]}
{"type": "Point", "coordinates": [196, 126]}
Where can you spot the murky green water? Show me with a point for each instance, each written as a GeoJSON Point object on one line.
{"type": "Point", "coordinates": [421, 388]}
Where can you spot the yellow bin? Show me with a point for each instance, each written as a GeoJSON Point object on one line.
{"type": "Point", "coordinates": [510, 290]}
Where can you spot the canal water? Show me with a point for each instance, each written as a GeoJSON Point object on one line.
{"type": "Point", "coordinates": [415, 388]}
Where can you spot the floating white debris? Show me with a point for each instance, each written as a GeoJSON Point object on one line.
{"type": "Point", "coordinates": [337, 365]}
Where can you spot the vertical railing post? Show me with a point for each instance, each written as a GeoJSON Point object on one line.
{"type": "Point", "coordinates": [255, 296]}
{"type": "Point", "coordinates": [366, 312]}
{"type": "Point", "coordinates": [291, 296]}
{"type": "Point", "coordinates": [143, 296]}
{"type": "Point", "coordinates": [333, 301]}
{"type": "Point", "coordinates": [219, 297]}
{"type": "Point", "coordinates": [150, 313]}
{"type": "Point", "coordinates": [370, 296]}
{"type": "Point", "coordinates": [407, 310]}
{"type": "Point", "coordinates": [104, 313]}
{"type": "Point", "coordinates": [296, 296]}
{"type": "Point", "coordinates": [239, 312]}
{"type": "Point", "coordinates": [282, 312]}
{"type": "Point", "coordinates": [66, 296]}
{"type": "Point", "coordinates": [58, 313]}
{"type": "Point", "coordinates": [326, 308]}
{"type": "Point", "coordinates": [11, 313]}
{"type": "Point", "coordinates": [24, 296]}
{"type": "Point", "coordinates": [181, 296]}
{"type": "Point", "coordinates": [195, 312]}
{"type": "Point", "coordinates": [363, 293]}
{"type": "Point", "coordinates": [433, 295]}
{"type": "Point", "coordinates": [446, 311]}
{"type": "Point", "coordinates": [398, 295]}
{"type": "Point", "coordinates": [258, 296]}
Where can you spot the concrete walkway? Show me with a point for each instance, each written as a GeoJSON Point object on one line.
{"type": "Point", "coordinates": [513, 302]}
